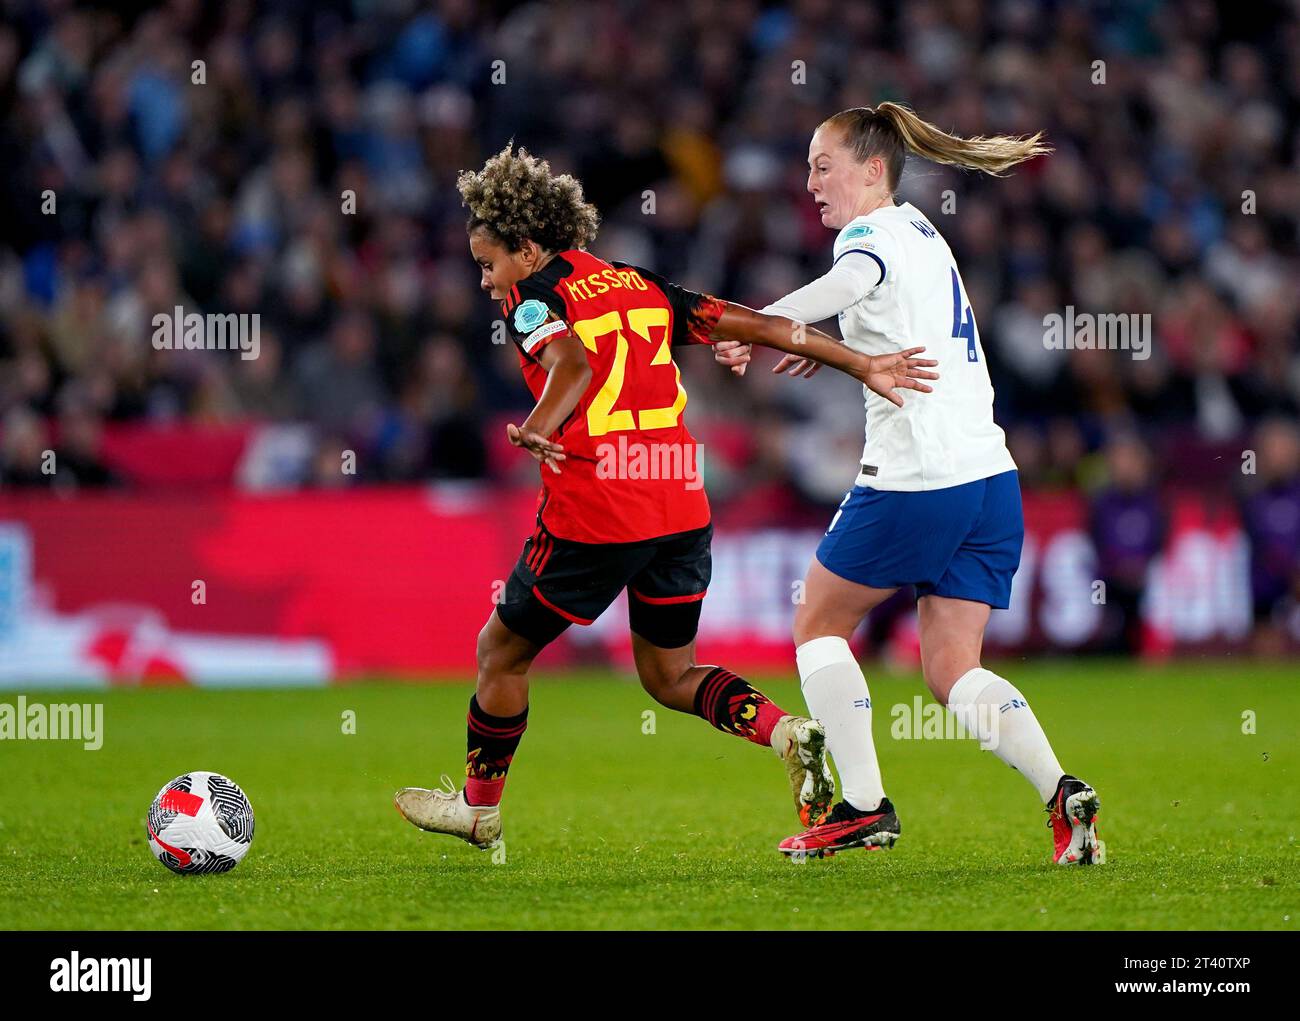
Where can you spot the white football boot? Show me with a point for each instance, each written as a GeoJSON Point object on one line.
{"type": "Point", "coordinates": [1072, 816]}
{"type": "Point", "coordinates": [446, 811]}
{"type": "Point", "coordinates": [801, 744]}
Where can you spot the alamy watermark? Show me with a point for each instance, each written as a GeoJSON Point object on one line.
{"type": "Point", "coordinates": [36, 721]}
{"type": "Point", "coordinates": [179, 330]}
{"type": "Point", "coordinates": [77, 974]}
{"type": "Point", "coordinates": [1109, 331]}
{"type": "Point", "coordinates": [921, 721]}
{"type": "Point", "coordinates": [664, 461]}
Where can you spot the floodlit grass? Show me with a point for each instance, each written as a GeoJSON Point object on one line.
{"type": "Point", "coordinates": [609, 827]}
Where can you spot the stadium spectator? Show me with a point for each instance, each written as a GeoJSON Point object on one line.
{"type": "Point", "coordinates": [79, 451]}
{"type": "Point", "coordinates": [1129, 524]}
{"type": "Point", "coordinates": [26, 458]}
{"type": "Point", "coordinates": [1271, 513]}
{"type": "Point", "coordinates": [307, 176]}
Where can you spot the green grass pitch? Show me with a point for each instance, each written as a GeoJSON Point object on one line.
{"type": "Point", "coordinates": [610, 827]}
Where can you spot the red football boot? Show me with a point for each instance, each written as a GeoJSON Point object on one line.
{"type": "Point", "coordinates": [1073, 819]}
{"type": "Point", "coordinates": [843, 828]}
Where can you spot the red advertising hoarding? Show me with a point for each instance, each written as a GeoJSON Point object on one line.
{"type": "Point", "coordinates": [305, 588]}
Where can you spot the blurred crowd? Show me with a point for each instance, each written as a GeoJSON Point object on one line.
{"type": "Point", "coordinates": [297, 160]}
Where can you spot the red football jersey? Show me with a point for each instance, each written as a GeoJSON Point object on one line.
{"type": "Point", "coordinates": [632, 469]}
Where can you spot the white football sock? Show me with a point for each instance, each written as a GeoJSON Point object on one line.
{"type": "Point", "coordinates": [991, 707]}
{"type": "Point", "coordinates": [836, 693]}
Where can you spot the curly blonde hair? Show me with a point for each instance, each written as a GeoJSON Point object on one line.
{"type": "Point", "coordinates": [516, 197]}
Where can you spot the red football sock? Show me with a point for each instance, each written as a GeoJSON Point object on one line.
{"type": "Point", "coordinates": [490, 747]}
{"type": "Point", "coordinates": [769, 714]}
{"type": "Point", "coordinates": [733, 705]}
{"type": "Point", "coordinates": [484, 792]}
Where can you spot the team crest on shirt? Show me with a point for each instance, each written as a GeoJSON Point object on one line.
{"type": "Point", "coordinates": [530, 315]}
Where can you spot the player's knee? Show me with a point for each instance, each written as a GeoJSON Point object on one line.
{"type": "Point", "coordinates": [943, 666]}
{"type": "Point", "coordinates": [484, 652]}
{"type": "Point", "coordinates": [660, 678]}
{"type": "Point", "coordinates": [810, 623]}
{"type": "Point", "coordinates": [496, 656]}
{"type": "Point", "coordinates": [658, 687]}
{"type": "Point", "coordinates": [805, 625]}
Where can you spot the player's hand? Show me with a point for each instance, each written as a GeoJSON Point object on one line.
{"type": "Point", "coordinates": [734, 354]}
{"type": "Point", "coordinates": [542, 449]}
{"type": "Point", "coordinates": [796, 366]}
{"type": "Point", "coordinates": [885, 374]}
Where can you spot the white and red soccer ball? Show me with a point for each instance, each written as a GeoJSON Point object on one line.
{"type": "Point", "coordinates": [200, 823]}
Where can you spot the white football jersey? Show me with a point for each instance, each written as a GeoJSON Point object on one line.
{"type": "Point", "coordinates": [940, 439]}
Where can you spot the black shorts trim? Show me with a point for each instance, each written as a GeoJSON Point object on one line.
{"type": "Point", "coordinates": [558, 582]}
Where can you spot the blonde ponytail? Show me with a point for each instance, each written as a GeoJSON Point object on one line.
{"type": "Point", "coordinates": [994, 155]}
{"type": "Point", "coordinates": [891, 131]}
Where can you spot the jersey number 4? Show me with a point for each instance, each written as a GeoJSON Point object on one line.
{"type": "Point", "coordinates": [601, 416]}
{"type": "Point", "coordinates": [963, 320]}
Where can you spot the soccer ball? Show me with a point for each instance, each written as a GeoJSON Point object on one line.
{"type": "Point", "coordinates": [200, 823]}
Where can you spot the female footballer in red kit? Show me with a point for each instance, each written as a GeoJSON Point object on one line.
{"type": "Point", "coordinates": [596, 342]}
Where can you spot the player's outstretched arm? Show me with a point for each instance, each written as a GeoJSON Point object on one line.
{"type": "Point", "coordinates": [567, 376]}
{"type": "Point", "coordinates": [882, 374]}
{"type": "Point", "coordinates": [827, 296]}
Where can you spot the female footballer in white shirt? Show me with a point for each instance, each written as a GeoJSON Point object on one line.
{"type": "Point", "coordinates": [937, 500]}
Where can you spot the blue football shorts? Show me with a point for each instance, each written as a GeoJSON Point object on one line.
{"type": "Point", "coordinates": [962, 542]}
